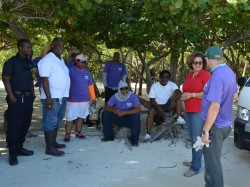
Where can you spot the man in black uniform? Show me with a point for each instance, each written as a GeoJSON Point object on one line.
{"type": "Point", "coordinates": [18, 82]}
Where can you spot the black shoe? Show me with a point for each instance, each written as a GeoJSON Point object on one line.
{"type": "Point", "coordinates": [24, 152]}
{"type": "Point", "coordinates": [13, 155]}
{"type": "Point", "coordinates": [135, 144]}
{"type": "Point", "coordinates": [108, 138]}
{"type": "Point", "coordinates": [13, 160]}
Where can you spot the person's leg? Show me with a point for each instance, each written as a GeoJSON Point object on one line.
{"type": "Point", "coordinates": [150, 119]}
{"type": "Point", "coordinates": [68, 128]}
{"type": "Point", "coordinates": [108, 119]}
{"type": "Point", "coordinates": [212, 156]}
{"type": "Point", "coordinates": [180, 120]}
{"type": "Point", "coordinates": [135, 126]}
{"type": "Point", "coordinates": [26, 121]}
{"type": "Point", "coordinates": [50, 125]}
{"type": "Point", "coordinates": [79, 124]}
{"type": "Point", "coordinates": [14, 118]}
{"type": "Point", "coordinates": [195, 127]}
{"type": "Point", "coordinates": [109, 93]}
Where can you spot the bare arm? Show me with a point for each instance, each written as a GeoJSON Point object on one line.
{"type": "Point", "coordinates": [188, 95]}
{"type": "Point", "coordinates": [211, 116]}
{"type": "Point", "coordinates": [45, 83]}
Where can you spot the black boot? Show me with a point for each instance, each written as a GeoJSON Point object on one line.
{"type": "Point", "coordinates": [23, 152]}
{"type": "Point", "coordinates": [13, 155]}
{"type": "Point", "coordinates": [57, 145]}
{"type": "Point", "coordinates": [50, 145]}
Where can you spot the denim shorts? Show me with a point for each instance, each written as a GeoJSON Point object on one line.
{"type": "Point", "coordinates": [53, 117]}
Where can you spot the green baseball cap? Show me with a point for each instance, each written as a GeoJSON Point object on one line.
{"type": "Point", "coordinates": [214, 53]}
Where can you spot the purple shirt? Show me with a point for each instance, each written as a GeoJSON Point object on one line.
{"type": "Point", "coordinates": [220, 89]}
{"type": "Point", "coordinates": [129, 104]}
{"type": "Point", "coordinates": [114, 72]}
{"type": "Point", "coordinates": [70, 64]}
{"type": "Point", "coordinates": [79, 83]}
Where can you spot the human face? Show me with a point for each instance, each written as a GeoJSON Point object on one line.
{"type": "Point", "coordinates": [197, 64]}
{"type": "Point", "coordinates": [57, 48]}
{"type": "Point", "coordinates": [80, 64]}
{"type": "Point", "coordinates": [164, 79]}
{"type": "Point", "coordinates": [116, 57]}
{"type": "Point", "coordinates": [26, 50]}
{"type": "Point", "coordinates": [124, 90]}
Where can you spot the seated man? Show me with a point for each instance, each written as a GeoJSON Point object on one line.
{"type": "Point", "coordinates": [122, 109]}
{"type": "Point", "coordinates": [164, 97]}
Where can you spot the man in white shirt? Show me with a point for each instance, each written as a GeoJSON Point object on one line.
{"type": "Point", "coordinates": [163, 96]}
{"type": "Point", "coordinates": [54, 93]}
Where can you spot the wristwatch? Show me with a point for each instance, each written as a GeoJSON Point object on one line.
{"type": "Point", "coordinates": [205, 133]}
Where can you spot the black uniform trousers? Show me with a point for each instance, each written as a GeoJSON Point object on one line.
{"type": "Point", "coordinates": [19, 117]}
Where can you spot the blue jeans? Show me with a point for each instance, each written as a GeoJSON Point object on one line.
{"type": "Point", "coordinates": [194, 124]}
{"type": "Point", "coordinates": [130, 121]}
{"type": "Point", "coordinates": [52, 117]}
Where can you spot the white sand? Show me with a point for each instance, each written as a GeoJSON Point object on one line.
{"type": "Point", "coordinates": [92, 163]}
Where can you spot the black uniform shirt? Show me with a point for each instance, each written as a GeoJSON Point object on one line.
{"type": "Point", "coordinates": [20, 71]}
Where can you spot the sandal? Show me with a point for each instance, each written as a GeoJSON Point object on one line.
{"type": "Point", "coordinates": [80, 135]}
{"type": "Point", "coordinates": [67, 138]}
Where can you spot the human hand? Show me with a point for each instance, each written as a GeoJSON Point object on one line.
{"type": "Point", "coordinates": [13, 100]}
{"type": "Point", "coordinates": [49, 103]}
{"type": "Point", "coordinates": [120, 113]}
{"type": "Point", "coordinates": [205, 138]}
{"type": "Point", "coordinates": [186, 96]}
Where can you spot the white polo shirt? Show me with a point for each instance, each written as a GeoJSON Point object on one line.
{"type": "Point", "coordinates": [58, 75]}
{"type": "Point", "coordinates": [160, 93]}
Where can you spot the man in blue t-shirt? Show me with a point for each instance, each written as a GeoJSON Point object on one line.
{"type": "Point", "coordinates": [216, 109]}
{"type": "Point", "coordinates": [123, 109]}
{"type": "Point", "coordinates": [114, 71]}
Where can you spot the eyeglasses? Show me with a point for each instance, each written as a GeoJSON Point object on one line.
{"type": "Point", "coordinates": [195, 63]}
{"type": "Point", "coordinates": [124, 88]}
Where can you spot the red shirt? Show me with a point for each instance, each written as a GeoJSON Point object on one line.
{"type": "Point", "coordinates": [195, 84]}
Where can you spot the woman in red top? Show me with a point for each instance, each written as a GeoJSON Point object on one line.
{"type": "Point", "coordinates": [192, 94]}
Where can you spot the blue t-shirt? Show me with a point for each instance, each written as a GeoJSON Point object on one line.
{"type": "Point", "coordinates": [34, 65]}
{"type": "Point", "coordinates": [129, 104]}
{"type": "Point", "coordinates": [114, 72]}
{"type": "Point", "coordinates": [220, 89]}
{"type": "Point", "coordinates": [79, 83]}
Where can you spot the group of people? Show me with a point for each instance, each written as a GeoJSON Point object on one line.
{"type": "Point", "coordinates": [66, 91]}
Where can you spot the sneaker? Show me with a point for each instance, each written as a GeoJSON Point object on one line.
{"type": "Point", "coordinates": [80, 135]}
{"type": "Point", "coordinates": [108, 138]}
{"type": "Point", "coordinates": [180, 120]}
{"type": "Point", "coordinates": [67, 138]}
{"type": "Point", "coordinates": [147, 137]}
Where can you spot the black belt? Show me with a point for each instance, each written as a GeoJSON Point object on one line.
{"type": "Point", "coordinates": [22, 93]}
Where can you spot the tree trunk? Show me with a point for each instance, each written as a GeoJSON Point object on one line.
{"type": "Point", "coordinates": [174, 57]}
{"type": "Point", "coordinates": [17, 31]}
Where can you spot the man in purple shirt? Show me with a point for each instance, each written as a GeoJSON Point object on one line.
{"type": "Point", "coordinates": [217, 107]}
{"type": "Point", "coordinates": [123, 109]}
{"type": "Point", "coordinates": [114, 71]}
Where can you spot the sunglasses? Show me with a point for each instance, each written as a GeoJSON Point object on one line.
{"type": "Point", "coordinates": [195, 63]}
{"type": "Point", "coordinates": [83, 62]}
{"type": "Point", "coordinates": [124, 88]}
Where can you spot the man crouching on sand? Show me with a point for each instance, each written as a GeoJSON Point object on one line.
{"type": "Point", "coordinates": [122, 109]}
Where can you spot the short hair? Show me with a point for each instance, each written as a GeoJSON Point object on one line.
{"type": "Point", "coordinates": [191, 58]}
{"type": "Point", "coordinates": [163, 72]}
{"type": "Point", "coordinates": [21, 42]}
{"type": "Point", "coordinates": [55, 40]}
